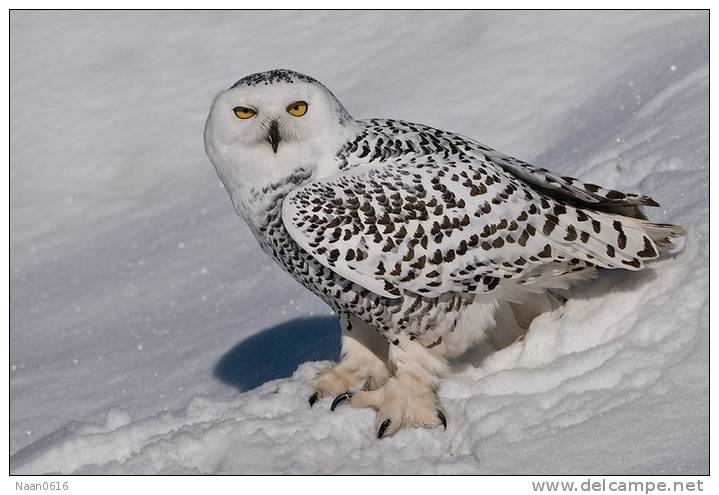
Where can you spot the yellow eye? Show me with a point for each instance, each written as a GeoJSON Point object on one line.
{"type": "Point", "coordinates": [244, 112]}
{"type": "Point", "coordinates": [298, 108]}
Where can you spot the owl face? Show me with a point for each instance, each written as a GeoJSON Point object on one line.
{"type": "Point", "coordinates": [265, 128]}
{"type": "Point", "coordinates": [269, 117]}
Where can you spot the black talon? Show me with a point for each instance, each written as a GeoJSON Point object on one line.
{"type": "Point", "coordinates": [442, 418]}
{"type": "Point", "coordinates": [385, 424]}
{"type": "Point", "coordinates": [313, 399]}
{"type": "Point", "coordinates": [340, 399]}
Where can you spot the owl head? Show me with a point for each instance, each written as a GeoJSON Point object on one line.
{"type": "Point", "coordinates": [268, 125]}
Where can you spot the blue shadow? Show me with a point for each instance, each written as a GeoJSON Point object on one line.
{"type": "Point", "coordinates": [276, 352]}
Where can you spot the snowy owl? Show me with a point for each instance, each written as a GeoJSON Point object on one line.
{"type": "Point", "coordinates": [423, 241]}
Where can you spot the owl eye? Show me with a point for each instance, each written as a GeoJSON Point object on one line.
{"type": "Point", "coordinates": [244, 112]}
{"type": "Point", "coordinates": [298, 108]}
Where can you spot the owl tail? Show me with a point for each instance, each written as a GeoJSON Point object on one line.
{"type": "Point", "coordinates": [613, 240]}
{"type": "Point", "coordinates": [669, 239]}
{"type": "Point", "coordinates": [645, 241]}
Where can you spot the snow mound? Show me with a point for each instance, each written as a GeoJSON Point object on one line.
{"type": "Point", "coordinates": [616, 381]}
{"type": "Point", "coordinates": [604, 356]}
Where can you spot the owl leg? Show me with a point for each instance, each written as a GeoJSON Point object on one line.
{"type": "Point", "coordinates": [409, 398]}
{"type": "Point", "coordinates": [361, 361]}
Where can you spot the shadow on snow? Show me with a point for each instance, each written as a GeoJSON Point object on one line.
{"type": "Point", "coordinates": [276, 352]}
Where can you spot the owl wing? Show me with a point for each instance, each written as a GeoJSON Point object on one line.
{"type": "Point", "coordinates": [468, 226]}
{"type": "Point", "coordinates": [566, 187]}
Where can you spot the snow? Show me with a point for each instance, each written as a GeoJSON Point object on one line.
{"type": "Point", "coordinates": [149, 334]}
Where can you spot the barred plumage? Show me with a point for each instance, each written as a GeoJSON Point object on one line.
{"type": "Point", "coordinates": [413, 232]}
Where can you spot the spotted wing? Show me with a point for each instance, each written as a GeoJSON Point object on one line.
{"type": "Point", "coordinates": [565, 187]}
{"type": "Point", "coordinates": [432, 228]}
{"type": "Point", "coordinates": [386, 139]}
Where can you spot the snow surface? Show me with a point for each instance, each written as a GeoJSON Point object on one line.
{"type": "Point", "coordinates": [149, 334]}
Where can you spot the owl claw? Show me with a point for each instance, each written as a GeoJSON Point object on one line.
{"type": "Point", "coordinates": [383, 427]}
{"type": "Point", "coordinates": [313, 399]}
{"type": "Point", "coordinates": [442, 418]}
{"type": "Point", "coordinates": [340, 399]}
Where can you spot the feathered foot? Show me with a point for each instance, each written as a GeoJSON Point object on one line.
{"type": "Point", "coordinates": [353, 371]}
{"type": "Point", "coordinates": [361, 362]}
{"type": "Point", "coordinates": [404, 401]}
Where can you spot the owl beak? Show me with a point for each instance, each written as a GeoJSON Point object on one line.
{"type": "Point", "coordinates": [273, 136]}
